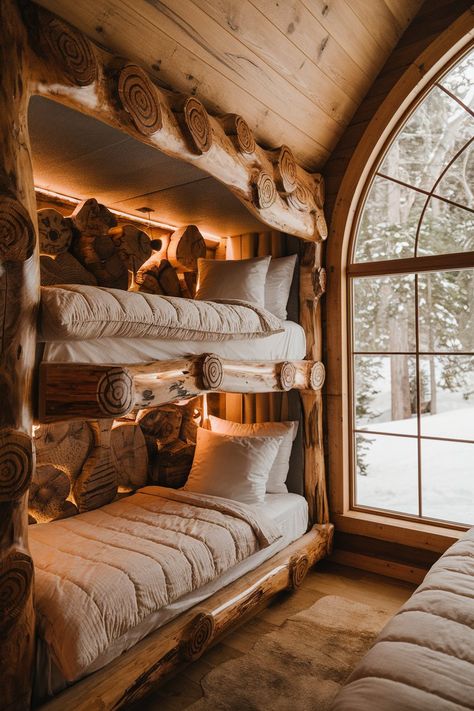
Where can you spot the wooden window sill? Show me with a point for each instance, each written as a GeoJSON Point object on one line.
{"type": "Point", "coordinates": [411, 533]}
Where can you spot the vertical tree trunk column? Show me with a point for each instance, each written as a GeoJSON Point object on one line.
{"type": "Point", "coordinates": [312, 286]}
{"type": "Point", "coordinates": [19, 296]}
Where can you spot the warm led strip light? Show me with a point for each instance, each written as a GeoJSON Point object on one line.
{"type": "Point", "coordinates": [128, 216]}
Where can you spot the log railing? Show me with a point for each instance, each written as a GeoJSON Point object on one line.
{"type": "Point", "coordinates": [87, 391]}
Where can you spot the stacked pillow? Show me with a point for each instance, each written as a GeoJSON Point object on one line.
{"type": "Point", "coordinates": [242, 462]}
{"type": "Point", "coordinates": [263, 281]}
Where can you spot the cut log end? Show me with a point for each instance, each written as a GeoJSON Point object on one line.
{"type": "Point", "coordinates": [298, 569]}
{"type": "Point", "coordinates": [212, 372]}
{"type": "Point", "coordinates": [140, 99]}
{"type": "Point", "coordinates": [196, 124]}
{"type": "Point", "coordinates": [264, 190]}
{"type": "Point", "coordinates": [286, 170]}
{"type": "Point", "coordinates": [317, 376]}
{"type": "Point", "coordinates": [201, 634]}
{"type": "Point", "coordinates": [287, 375]}
{"type": "Point", "coordinates": [16, 464]}
{"type": "Point", "coordinates": [115, 392]}
{"type": "Point", "coordinates": [17, 234]}
{"type": "Point", "coordinates": [55, 232]}
{"type": "Point", "coordinates": [69, 49]}
{"type": "Point", "coordinates": [16, 577]}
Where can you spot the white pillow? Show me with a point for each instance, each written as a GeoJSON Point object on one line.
{"type": "Point", "coordinates": [286, 430]}
{"type": "Point", "coordinates": [242, 279]}
{"type": "Point", "coordinates": [278, 285]}
{"type": "Point", "coordinates": [233, 467]}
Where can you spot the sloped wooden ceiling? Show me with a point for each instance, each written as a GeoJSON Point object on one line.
{"type": "Point", "coordinates": [296, 70]}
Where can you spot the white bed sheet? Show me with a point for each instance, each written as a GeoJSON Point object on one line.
{"type": "Point", "coordinates": [290, 344]}
{"type": "Point", "coordinates": [290, 513]}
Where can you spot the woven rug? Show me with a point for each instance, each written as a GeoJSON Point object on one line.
{"type": "Point", "coordinates": [299, 667]}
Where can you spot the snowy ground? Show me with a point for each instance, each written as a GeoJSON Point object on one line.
{"type": "Point", "coordinates": [447, 467]}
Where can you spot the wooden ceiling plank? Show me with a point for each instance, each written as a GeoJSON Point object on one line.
{"type": "Point", "coordinates": [339, 21]}
{"type": "Point", "coordinates": [194, 30]}
{"type": "Point", "coordinates": [246, 23]}
{"type": "Point", "coordinates": [384, 27]}
{"type": "Point", "coordinates": [302, 29]}
{"type": "Point", "coordinates": [404, 12]}
{"type": "Point", "coordinates": [171, 64]}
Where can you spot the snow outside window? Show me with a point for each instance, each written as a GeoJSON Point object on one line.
{"type": "Point", "coordinates": [412, 301]}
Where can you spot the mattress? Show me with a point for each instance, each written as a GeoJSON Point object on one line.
{"type": "Point", "coordinates": [424, 657]}
{"type": "Point", "coordinates": [290, 344]}
{"type": "Point", "coordinates": [289, 512]}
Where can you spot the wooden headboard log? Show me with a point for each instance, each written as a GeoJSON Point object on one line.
{"type": "Point", "coordinates": [69, 68]}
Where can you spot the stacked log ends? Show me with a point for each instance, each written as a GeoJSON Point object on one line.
{"type": "Point", "coordinates": [202, 630]}
{"type": "Point", "coordinates": [317, 376]}
{"type": "Point", "coordinates": [287, 375]}
{"type": "Point", "coordinates": [55, 232]}
{"type": "Point", "coordinates": [140, 98]}
{"type": "Point", "coordinates": [186, 246]}
{"type": "Point", "coordinates": [285, 169]}
{"type": "Point", "coordinates": [298, 569]}
{"type": "Point", "coordinates": [212, 372]}
{"type": "Point", "coordinates": [239, 131]}
{"type": "Point", "coordinates": [264, 190]}
{"type": "Point", "coordinates": [194, 120]}
{"type": "Point", "coordinates": [69, 49]}
{"type": "Point", "coordinates": [115, 392]}
{"type": "Point", "coordinates": [16, 577]}
{"type": "Point", "coordinates": [17, 233]}
{"type": "Point", "coordinates": [16, 464]}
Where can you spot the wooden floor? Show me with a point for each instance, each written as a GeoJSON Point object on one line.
{"type": "Point", "coordinates": [325, 579]}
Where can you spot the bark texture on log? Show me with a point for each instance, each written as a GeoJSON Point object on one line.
{"type": "Point", "coordinates": [19, 297]}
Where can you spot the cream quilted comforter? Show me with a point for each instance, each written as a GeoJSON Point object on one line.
{"type": "Point", "coordinates": [102, 572]}
{"type": "Point", "coordinates": [76, 312]}
{"type": "Point", "coordinates": [423, 660]}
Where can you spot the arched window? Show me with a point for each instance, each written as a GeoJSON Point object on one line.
{"type": "Point", "coordinates": [411, 294]}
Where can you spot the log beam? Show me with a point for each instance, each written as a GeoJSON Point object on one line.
{"type": "Point", "coordinates": [69, 68]}
{"type": "Point", "coordinates": [82, 391]}
{"type": "Point", "coordinates": [140, 670]}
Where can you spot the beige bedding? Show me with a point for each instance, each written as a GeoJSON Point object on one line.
{"type": "Point", "coordinates": [77, 312]}
{"type": "Point", "coordinates": [101, 573]}
{"type": "Point", "coordinates": [424, 657]}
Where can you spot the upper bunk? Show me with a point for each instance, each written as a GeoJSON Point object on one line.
{"type": "Point", "coordinates": [245, 188]}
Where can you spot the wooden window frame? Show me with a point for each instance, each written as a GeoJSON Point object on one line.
{"type": "Point", "coordinates": [397, 106]}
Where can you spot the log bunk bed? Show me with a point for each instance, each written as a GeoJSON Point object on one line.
{"type": "Point", "coordinates": [43, 55]}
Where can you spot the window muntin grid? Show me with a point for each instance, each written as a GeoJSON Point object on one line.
{"type": "Point", "coordinates": [412, 315]}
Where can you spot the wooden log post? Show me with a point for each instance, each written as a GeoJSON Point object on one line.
{"type": "Point", "coordinates": [312, 286]}
{"type": "Point", "coordinates": [19, 297]}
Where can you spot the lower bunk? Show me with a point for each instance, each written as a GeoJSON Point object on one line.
{"type": "Point", "coordinates": [127, 593]}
